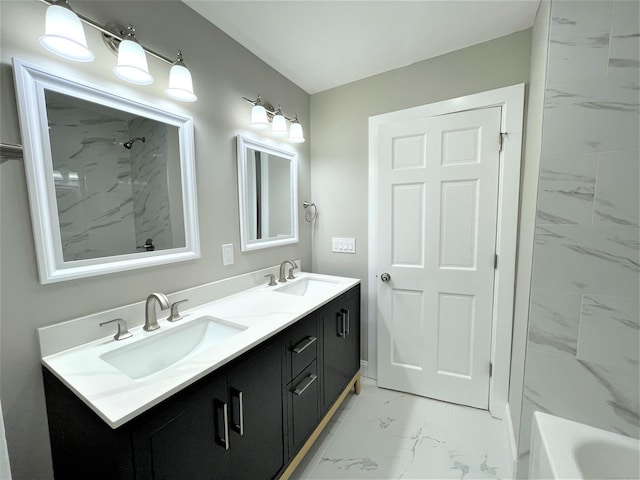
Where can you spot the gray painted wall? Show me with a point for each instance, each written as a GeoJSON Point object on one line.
{"type": "Point", "coordinates": [583, 348]}
{"type": "Point", "coordinates": [340, 122]}
{"type": "Point", "coordinates": [223, 71]}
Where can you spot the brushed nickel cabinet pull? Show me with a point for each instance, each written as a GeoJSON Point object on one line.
{"type": "Point", "coordinates": [345, 313]}
{"type": "Point", "coordinates": [239, 426]}
{"type": "Point", "coordinates": [342, 328]}
{"type": "Point", "coordinates": [224, 439]}
{"type": "Point", "coordinates": [312, 378]}
{"type": "Point", "coordinates": [302, 345]}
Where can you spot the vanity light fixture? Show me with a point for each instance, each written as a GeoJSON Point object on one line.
{"type": "Point", "coordinates": [279, 124]}
{"type": "Point", "coordinates": [180, 83]}
{"type": "Point", "coordinates": [64, 36]}
{"type": "Point", "coordinates": [262, 113]}
{"type": "Point", "coordinates": [259, 119]}
{"type": "Point", "coordinates": [132, 61]}
{"type": "Point", "coordinates": [63, 33]}
{"type": "Point", "coordinates": [295, 131]}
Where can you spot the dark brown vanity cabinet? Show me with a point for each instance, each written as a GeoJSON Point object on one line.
{"type": "Point", "coordinates": [222, 428]}
{"type": "Point", "coordinates": [339, 322]}
{"type": "Point", "coordinates": [227, 425]}
{"type": "Point", "coordinates": [303, 392]}
{"type": "Point", "coordinates": [246, 420]}
{"type": "Point", "coordinates": [256, 437]}
{"type": "Point", "coordinates": [184, 439]}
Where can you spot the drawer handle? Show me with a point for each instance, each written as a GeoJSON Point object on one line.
{"type": "Point", "coordinates": [304, 344]}
{"type": "Point", "coordinates": [300, 391]}
{"type": "Point", "coordinates": [238, 427]}
{"type": "Point", "coordinates": [342, 326]}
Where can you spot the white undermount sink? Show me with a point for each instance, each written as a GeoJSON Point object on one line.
{"type": "Point", "coordinates": [168, 347]}
{"type": "Point", "coordinates": [307, 286]}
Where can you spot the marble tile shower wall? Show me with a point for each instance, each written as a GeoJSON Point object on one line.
{"type": "Point", "coordinates": [583, 348]}
{"type": "Point", "coordinates": [94, 199]}
{"type": "Point", "coordinates": [149, 183]}
{"type": "Point", "coordinates": [110, 199]}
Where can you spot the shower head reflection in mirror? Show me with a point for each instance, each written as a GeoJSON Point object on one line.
{"type": "Point", "coordinates": [94, 203]}
{"type": "Point", "coordinates": [128, 145]}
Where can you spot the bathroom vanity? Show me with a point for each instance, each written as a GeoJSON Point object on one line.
{"type": "Point", "coordinates": [247, 408]}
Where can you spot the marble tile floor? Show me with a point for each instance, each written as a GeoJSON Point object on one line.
{"type": "Point", "coordinates": [383, 434]}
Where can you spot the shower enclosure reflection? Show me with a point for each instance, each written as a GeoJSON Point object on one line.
{"type": "Point", "coordinates": [117, 180]}
{"type": "Point", "coordinates": [111, 180]}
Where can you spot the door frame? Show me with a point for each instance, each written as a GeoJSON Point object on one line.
{"type": "Point", "coordinates": [511, 101]}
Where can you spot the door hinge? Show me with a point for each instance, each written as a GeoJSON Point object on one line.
{"type": "Point", "coordinates": [495, 261]}
{"type": "Point", "coordinates": [490, 369]}
{"type": "Point", "coordinates": [501, 140]}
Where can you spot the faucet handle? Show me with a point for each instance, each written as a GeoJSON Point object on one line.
{"type": "Point", "coordinates": [123, 332]}
{"type": "Point", "coordinates": [174, 316]}
{"type": "Point", "coordinates": [272, 279]}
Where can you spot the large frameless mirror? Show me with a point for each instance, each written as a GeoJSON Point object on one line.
{"type": "Point", "coordinates": [111, 181]}
{"type": "Point", "coordinates": [268, 191]}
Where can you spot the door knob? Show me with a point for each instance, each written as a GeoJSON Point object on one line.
{"type": "Point", "coordinates": [385, 277]}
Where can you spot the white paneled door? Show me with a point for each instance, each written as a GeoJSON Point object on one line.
{"type": "Point", "coordinates": [437, 204]}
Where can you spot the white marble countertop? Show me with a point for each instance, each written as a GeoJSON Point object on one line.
{"type": "Point", "coordinates": [116, 398]}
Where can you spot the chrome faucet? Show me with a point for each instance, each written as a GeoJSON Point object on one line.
{"type": "Point", "coordinates": [150, 319]}
{"type": "Point", "coordinates": [282, 279]}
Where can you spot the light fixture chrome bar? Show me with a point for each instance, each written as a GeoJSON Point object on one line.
{"type": "Point", "coordinates": [269, 108]}
{"type": "Point", "coordinates": [117, 35]}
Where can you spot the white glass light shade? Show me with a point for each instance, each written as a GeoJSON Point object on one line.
{"type": "Point", "coordinates": [132, 64]}
{"type": "Point", "coordinates": [180, 84]}
{"type": "Point", "coordinates": [279, 126]}
{"type": "Point", "coordinates": [64, 35]}
{"type": "Point", "coordinates": [295, 133]}
{"type": "Point", "coordinates": [259, 117]}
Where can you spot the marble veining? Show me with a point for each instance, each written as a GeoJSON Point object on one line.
{"type": "Point", "coordinates": [85, 172]}
{"type": "Point", "coordinates": [111, 199]}
{"type": "Point", "coordinates": [583, 348]}
{"type": "Point", "coordinates": [383, 434]}
{"type": "Point", "coordinates": [10, 152]}
{"type": "Point", "coordinates": [617, 195]}
{"type": "Point", "coordinates": [587, 259]}
{"type": "Point", "coordinates": [152, 212]}
{"type": "Point", "coordinates": [567, 189]}
{"type": "Point", "coordinates": [604, 397]}
{"type": "Point", "coordinates": [579, 42]}
{"type": "Point", "coordinates": [609, 320]}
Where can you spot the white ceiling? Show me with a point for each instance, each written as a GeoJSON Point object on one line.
{"type": "Point", "coordinates": [323, 44]}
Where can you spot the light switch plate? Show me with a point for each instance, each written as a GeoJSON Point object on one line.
{"type": "Point", "coordinates": [227, 254]}
{"type": "Point", "coordinates": [343, 245]}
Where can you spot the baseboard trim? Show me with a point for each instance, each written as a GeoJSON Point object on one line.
{"type": "Point", "coordinates": [364, 369]}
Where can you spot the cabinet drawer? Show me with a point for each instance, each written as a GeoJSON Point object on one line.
{"type": "Point", "coordinates": [302, 345]}
{"type": "Point", "coordinates": [303, 406]}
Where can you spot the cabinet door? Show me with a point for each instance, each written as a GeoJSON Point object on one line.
{"type": "Point", "coordinates": [185, 438]}
{"type": "Point", "coordinates": [256, 420]}
{"type": "Point", "coordinates": [341, 344]}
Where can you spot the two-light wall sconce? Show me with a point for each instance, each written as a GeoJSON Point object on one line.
{"type": "Point", "coordinates": [262, 113]}
{"type": "Point", "coordinates": [64, 36]}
